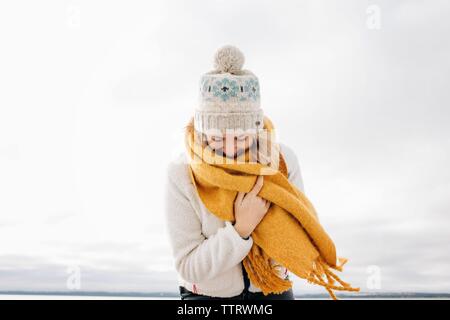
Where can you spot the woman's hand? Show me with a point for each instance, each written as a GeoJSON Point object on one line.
{"type": "Point", "coordinates": [249, 209]}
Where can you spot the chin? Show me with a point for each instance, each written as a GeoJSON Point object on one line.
{"type": "Point", "coordinates": [234, 155]}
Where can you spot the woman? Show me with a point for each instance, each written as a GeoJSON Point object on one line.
{"type": "Point", "coordinates": [209, 251]}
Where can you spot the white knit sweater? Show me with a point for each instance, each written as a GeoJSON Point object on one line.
{"type": "Point", "coordinates": [208, 251]}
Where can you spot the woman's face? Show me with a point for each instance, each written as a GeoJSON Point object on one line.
{"type": "Point", "coordinates": [230, 145]}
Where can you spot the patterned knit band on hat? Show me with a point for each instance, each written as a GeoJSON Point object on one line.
{"type": "Point", "coordinates": [229, 96]}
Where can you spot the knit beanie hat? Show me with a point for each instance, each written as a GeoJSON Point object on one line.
{"type": "Point", "coordinates": [229, 96]}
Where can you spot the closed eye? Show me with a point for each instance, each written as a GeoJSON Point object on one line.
{"type": "Point", "coordinates": [216, 139]}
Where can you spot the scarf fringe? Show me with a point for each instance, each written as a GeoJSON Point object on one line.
{"type": "Point", "coordinates": [267, 278]}
{"type": "Point", "coordinates": [322, 275]}
{"type": "Point", "coordinates": [263, 274]}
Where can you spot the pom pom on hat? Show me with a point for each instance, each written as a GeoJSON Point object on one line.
{"type": "Point", "coordinates": [229, 59]}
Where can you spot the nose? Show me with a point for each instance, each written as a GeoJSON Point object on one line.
{"type": "Point", "coordinates": [230, 145]}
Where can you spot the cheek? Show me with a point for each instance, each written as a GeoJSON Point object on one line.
{"type": "Point", "coordinates": [241, 144]}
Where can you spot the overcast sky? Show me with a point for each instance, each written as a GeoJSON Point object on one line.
{"type": "Point", "coordinates": [95, 94]}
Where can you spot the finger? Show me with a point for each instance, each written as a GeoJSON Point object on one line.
{"type": "Point", "coordinates": [260, 200]}
{"type": "Point", "coordinates": [258, 185]}
{"type": "Point", "coordinates": [239, 198]}
{"type": "Point", "coordinates": [267, 205]}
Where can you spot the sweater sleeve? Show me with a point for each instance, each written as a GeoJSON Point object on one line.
{"type": "Point", "coordinates": [198, 258]}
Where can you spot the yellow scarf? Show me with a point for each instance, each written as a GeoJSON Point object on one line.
{"type": "Point", "coordinates": [289, 233]}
